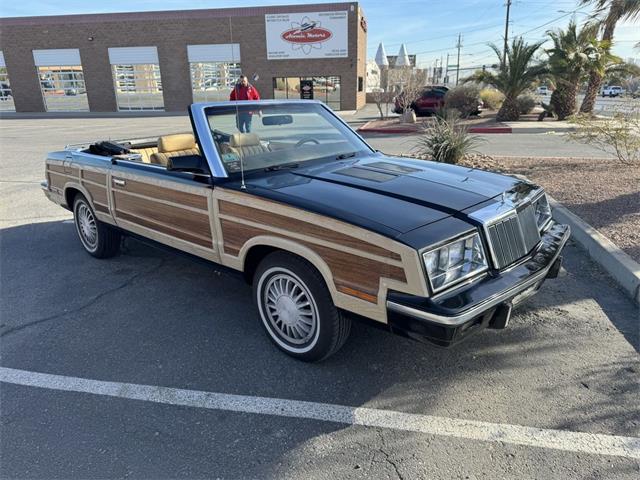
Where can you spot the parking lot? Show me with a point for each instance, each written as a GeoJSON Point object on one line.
{"type": "Point", "coordinates": [181, 382]}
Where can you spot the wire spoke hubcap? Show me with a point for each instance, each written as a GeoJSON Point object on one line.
{"type": "Point", "coordinates": [289, 309]}
{"type": "Point", "coordinates": [87, 226]}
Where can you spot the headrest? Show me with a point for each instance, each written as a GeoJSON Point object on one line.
{"type": "Point", "coordinates": [175, 143]}
{"type": "Point", "coordinates": [244, 140]}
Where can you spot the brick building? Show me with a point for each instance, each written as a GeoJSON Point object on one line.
{"type": "Point", "coordinates": [167, 60]}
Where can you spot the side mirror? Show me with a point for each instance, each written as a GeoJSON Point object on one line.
{"type": "Point", "coordinates": [277, 120]}
{"type": "Point", "coordinates": [187, 163]}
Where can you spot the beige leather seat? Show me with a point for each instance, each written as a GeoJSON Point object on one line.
{"type": "Point", "coordinates": [174, 146]}
{"type": "Point", "coordinates": [247, 144]}
{"type": "Point", "coordinates": [145, 153]}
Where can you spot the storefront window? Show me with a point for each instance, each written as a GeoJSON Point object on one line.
{"type": "Point", "coordinates": [63, 88]}
{"type": "Point", "coordinates": [6, 98]}
{"type": "Point", "coordinates": [325, 89]}
{"type": "Point", "coordinates": [213, 81]}
{"type": "Point", "coordinates": [138, 87]}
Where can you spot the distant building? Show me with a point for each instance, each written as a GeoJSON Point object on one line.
{"type": "Point", "coordinates": [167, 60]}
{"type": "Point", "coordinates": [393, 58]}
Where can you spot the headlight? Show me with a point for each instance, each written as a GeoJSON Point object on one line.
{"type": "Point", "coordinates": [455, 261]}
{"type": "Point", "coordinates": [543, 211]}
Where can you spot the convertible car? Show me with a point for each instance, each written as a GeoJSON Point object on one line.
{"type": "Point", "coordinates": [324, 227]}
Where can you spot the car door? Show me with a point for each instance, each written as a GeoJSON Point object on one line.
{"type": "Point", "coordinates": [170, 208]}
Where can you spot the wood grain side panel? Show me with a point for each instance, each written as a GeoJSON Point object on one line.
{"type": "Point", "coordinates": [100, 208]}
{"type": "Point", "coordinates": [56, 180]}
{"type": "Point", "coordinates": [185, 220]}
{"type": "Point", "coordinates": [73, 171]}
{"type": "Point", "coordinates": [348, 271]}
{"type": "Point", "coordinates": [96, 177]}
{"type": "Point", "coordinates": [160, 193]}
{"type": "Point", "coordinates": [302, 227]}
{"type": "Point", "coordinates": [165, 229]}
{"type": "Point", "coordinates": [98, 194]}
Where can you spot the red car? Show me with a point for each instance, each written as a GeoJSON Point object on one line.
{"type": "Point", "coordinates": [431, 100]}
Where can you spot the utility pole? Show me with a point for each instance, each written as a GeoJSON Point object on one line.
{"type": "Point", "coordinates": [506, 34]}
{"type": "Point", "coordinates": [446, 75]}
{"type": "Point", "coordinates": [459, 46]}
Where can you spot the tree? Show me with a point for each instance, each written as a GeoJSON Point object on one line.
{"type": "Point", "coordinates": [514, 76]}
{"type": "Point", "coordinates": [574, 53]}
{"type": "Point", "coordinates": [409, 84]}
{"type": "Point", "coordinates": [610, 12]}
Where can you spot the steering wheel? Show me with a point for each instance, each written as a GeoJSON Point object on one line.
{"type": "Point", "coordinates": [306, 140]}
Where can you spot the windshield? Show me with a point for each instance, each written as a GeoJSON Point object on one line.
{"type": "Point", "coordinates": [279, 135]}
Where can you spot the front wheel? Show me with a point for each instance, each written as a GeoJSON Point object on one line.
{"type": "Point", "coordinates": [296, 308]}
{"type": "Point", "coordinates": [98, 239]}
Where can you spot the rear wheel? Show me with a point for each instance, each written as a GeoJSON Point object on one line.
{"type": "Point", "coordinates": [296, 308]}
{"type": "Point", "coordinates": [98, 239]}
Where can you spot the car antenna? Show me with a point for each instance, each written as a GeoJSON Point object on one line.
{"type": "Point", "coordinates": [243, 186]}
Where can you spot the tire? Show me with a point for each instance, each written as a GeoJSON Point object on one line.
{"type": "Point", "coordinates": [308, 333]}
{"type": "Point", "coordinates": [98, 239]}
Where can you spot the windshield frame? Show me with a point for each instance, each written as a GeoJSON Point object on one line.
{"type": "Point", "coordinates": [204, 135]}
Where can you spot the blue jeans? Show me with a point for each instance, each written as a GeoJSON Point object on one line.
{"type": "Point", "coordinates": [244, 122]}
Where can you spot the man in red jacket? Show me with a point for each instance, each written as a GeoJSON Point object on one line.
{"type": "Point", "coordinates": [243, 90]}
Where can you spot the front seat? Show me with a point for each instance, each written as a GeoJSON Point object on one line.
{"type": "Point", "coordinates": [174, 146]}
{"type": "Point", "coordinates": [247, 144]}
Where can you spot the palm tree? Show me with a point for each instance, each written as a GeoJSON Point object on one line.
{"type": "Point", "coordinates": [570, 58]}
{"type": "Point", "coordinates": [610, 13]}
{"type": "Point", "coordinates": [514, 76]}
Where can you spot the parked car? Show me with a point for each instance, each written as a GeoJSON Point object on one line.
{"type": "Point", "coordinates": [612, 91]}
{"type": "Point", "coordinates": [543, 90]}
{"type": "Point", "coordinates": [319, 223]}
{"type": "Point", "coordinates": [430, 101]}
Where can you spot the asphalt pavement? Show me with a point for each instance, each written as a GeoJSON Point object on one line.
{"type": "Point", "coordinates": [567, 363]}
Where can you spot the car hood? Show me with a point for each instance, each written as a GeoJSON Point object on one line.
{"type": "Point", "coordinates": [387, 194]}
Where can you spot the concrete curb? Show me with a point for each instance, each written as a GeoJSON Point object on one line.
{"type": "Point", "coordinates": [366, 128]}
{"type": "Point", "coordinates": [490, 130]}
{"type": "Point", "coordinates": [624, 269]}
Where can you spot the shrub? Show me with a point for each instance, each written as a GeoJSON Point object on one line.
{"type": "Point", "coordinates": [464, 99]}
{"type": "Point", "coordinates": [446, 140]}
{"type": "Point", "coordinates": [620, 133]}
{"type": "Point", "coordinates": [525, 104]}
{"type": "Point", "coordinates": [491, 98]}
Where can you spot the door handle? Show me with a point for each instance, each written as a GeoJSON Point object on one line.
{"type": "Point", "coordinates": [120, 183]}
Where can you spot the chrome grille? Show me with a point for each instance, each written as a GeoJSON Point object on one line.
{"type": "Point", "coordinates": [511, 238]}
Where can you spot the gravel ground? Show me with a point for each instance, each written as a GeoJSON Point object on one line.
{"type": "Point", "coordinates": [605, 193]}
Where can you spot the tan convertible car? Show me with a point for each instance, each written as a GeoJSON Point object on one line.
{"type": "Point", "coordinates": [324, 227]}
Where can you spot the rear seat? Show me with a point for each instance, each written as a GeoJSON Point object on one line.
{"type": "Point", "coordinates": [145, 152]}
{"type": "Point", "coordinates": [174, 146]}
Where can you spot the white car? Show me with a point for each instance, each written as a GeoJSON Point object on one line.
{"type": "Point", "coordinates": [543, 90]}
{"type": "Point", "coordinates": [612, 91]}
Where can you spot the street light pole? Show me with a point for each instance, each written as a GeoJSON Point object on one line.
{"type": "Point", "coordinates": [506, 34]}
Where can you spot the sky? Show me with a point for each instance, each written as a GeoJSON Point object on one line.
{"type": "Point", "coordinates": [429, 28]}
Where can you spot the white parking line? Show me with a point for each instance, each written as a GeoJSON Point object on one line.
{"type": "Point", "coordinates": [591, 443]}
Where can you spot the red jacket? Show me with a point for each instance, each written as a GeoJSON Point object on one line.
{"type": "Point", "coordinates": [244, 93]}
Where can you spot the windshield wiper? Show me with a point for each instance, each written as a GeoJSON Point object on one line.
{"type": "Point", "coordinates": [280, 167]}
{"type": "Point", "coordinates": [346, 155]}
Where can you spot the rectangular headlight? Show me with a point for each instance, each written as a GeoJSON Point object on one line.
{"type": "Point", "coordinates": [543, 211]}
{"type": "Point", "coordinates": [455, 261]}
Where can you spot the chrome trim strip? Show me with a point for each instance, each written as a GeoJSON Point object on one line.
{"type": "Point", "coordinates": [485, 305]}
{"type": "Point", "coordinates": [205, 138]}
